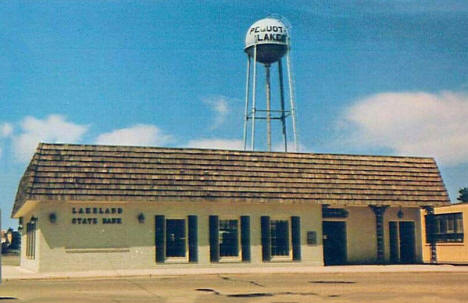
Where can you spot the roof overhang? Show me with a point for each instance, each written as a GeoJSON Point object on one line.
{"type": "Point", "coordinates": [30, 205]}
{"type": "Point", "coordinates": [25, 208]}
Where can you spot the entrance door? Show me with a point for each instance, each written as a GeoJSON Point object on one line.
{"type": "Point", "coordinates": [334, 242]}
{"type": "Point", "coordinates": [402, 246]}
{"type": "Point", "coordinates": [407, 254]}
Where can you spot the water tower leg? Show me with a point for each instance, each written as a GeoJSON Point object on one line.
{"type": "Point", "coordinates": [283, 116]}
{"type": "Point", "coordinates": [268, 104]}
{"type": "Point", "coordinates": [254, 84]}
{"type": "Point", "coordinates": [291, 99]}
{"type": "Point", "coordinates": [246, 112]}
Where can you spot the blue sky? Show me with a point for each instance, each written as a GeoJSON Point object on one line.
{"type": "Point", "coordinates": [371, 77]}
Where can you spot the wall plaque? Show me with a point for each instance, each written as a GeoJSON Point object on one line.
{"type": "Point", "coordinates": [311, 238]}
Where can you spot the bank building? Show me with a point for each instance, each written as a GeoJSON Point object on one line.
{"type": "Point", "coordinates": [96, 207]}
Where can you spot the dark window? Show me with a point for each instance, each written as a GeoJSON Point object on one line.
{"type": "Point", "coordinates": [31, 240]}
{"type": "Point", "coordinates": [446, 228]}
{"type": "Point", "coordinates": [279, 233]}
{"type": "Point", "coordinates": [228, 238]}
{"type": "Point", "coordinates": [175, 238]}
{"type": "Point", "coordinates": [459, 223]}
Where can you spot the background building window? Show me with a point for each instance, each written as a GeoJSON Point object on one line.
{"type": "Point", "coordinates": [447, 228]}
{"type": "Point", "coordinates": [175, 238]}
{"type": "Point", "coordinates": [228, 238]}
{"type": "Point", "coordinates": [279, 233]}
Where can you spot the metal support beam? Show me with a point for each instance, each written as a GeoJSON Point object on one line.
{"type": "Point", "coordinates": [283, 116]}
{"type": "Point", "coordinates": [246, 111]}
{"type": "Point", "coordinates": [379, 224]}
{"type": "Point", "coordinates": [291, 100]}
{"type": "Point", "coordinates": [252, 113]}
{"type": "Point", "coordinates": [268, 104]}
{"type": "Point", "coordinates": [254, 87]}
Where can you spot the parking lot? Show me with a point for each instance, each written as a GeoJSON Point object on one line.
{"type": "Point", "coordinates": [276, 288]}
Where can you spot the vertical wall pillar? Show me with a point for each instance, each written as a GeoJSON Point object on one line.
{"type": "Point", "coordinates": [430, 226]}
{"type": "Point", "coordinates": [379, 223]}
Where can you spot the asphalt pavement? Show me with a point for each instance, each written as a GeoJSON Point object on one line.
{"type": "Point", "coordinates": [310, 287]}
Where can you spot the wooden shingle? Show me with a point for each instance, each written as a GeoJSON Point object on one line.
{"type": "Point", "coordinates": [61, 172]}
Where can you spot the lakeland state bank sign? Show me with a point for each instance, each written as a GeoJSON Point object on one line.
{"type": "Point", "coordinates": [96, 215]}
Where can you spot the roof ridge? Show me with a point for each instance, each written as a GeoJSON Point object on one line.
{"type": "Point", "coordinates": [99, 147]}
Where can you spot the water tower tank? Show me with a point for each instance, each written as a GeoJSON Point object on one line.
{"type": "Point", "coordinates": [271, 37]}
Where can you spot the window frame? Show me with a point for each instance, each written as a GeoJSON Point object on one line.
{"type": "Point", "coordinates": [287, 257]}
{"type": "Point", "coordinates": [448, 228]}
{"type": "Point", "coordinates": [237, 258]}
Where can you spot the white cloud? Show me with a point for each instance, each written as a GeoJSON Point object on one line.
{"type": "Point", "coordinates": [419, 124]}
{"type": "Point", "coordinates": [53, 129]}
{"type": "Point", "coordinates": [220, 106]}
{"type": "Point", "coordinates": [230, 144]}
{"type": "Point", "coordinates": [6, 129]}
{"type": "Point", "coordinates": [140, 134]}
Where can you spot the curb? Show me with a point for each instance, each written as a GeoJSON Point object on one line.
{"type": "Point", "coordinates": [16, 273]}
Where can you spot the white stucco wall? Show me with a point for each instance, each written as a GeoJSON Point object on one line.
{"type": "Point", "coordinates": [63, 246]}
{"type": "Point", "coordinates": [131, 245]}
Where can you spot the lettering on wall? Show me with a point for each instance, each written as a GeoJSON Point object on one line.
{"type": "Point", "coordinates": [334, 212]}
{"type": "Point", "coordinates": [100, 215]}
{"type": "Point", "coordinates": [269, 33]}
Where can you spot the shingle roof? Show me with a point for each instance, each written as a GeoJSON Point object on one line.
{"type": "Point", "coordinates": [61, 172]}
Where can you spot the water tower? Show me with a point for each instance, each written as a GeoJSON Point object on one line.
{"type": "Point", "coordinates": [267, 42]}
